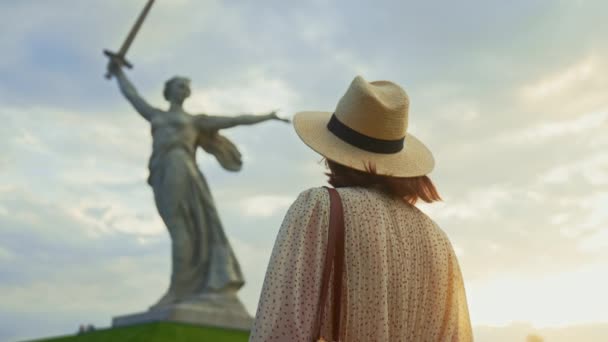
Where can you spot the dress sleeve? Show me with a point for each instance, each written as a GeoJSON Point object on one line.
{"type": "Point", "coordinates": [463, 331]}
{"type": "Point", "coordinates": [290, 294]}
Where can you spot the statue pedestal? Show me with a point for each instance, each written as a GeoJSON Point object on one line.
{"type": "Point", "coordinates": [218, 310]}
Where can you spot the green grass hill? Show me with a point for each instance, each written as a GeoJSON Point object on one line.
{"type": "Point", "coordinates": [156, 332]}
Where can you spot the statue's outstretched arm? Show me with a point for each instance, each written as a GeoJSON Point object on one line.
{"type": "Point", "coordinates": [213, 122]}
{"type": "Point", "coordinates": [129, 91]}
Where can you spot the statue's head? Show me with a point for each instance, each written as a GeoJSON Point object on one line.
{"type": "Point", "coordinates": [177, 89]}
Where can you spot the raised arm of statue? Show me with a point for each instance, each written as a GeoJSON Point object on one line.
{"type": "Point", "coordinates": [129, 92]}
{"type": "Point", "coordinates": [215, 123]}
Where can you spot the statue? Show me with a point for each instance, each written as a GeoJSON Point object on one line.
{"type": "Point", "coordinates": [203, 260]}
{"type": "Point", "coordinates": [205, 272]}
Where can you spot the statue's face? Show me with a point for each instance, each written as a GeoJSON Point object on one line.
{"type": "Point", "coordinates": [180, 89]}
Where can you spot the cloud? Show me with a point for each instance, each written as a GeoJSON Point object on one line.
{"type": "Point", "coordinates": [111, 285]}
{"type": "Point", "coordinates": [253, 259]}
{"type": "Point", "coordinates": [556, 129]}
{"type": "Point", "coordinates": [540, 300]}
{"type": "Point", "coordinates": [104, 218]}
{"type": "Point", "coordinates": [561, 82]}
{"type": "Point", "coordinates": [50, 258]}
{"type": "Point", "coordinates": [596, 215]}
{"type": "Point", "coordinates": [5, 254]}
{"type": "Point", "coordinates": [479, 204]}
{"type": "Point", "coordinates": [256, 94]}
{"type": "Point", "coordinates": [95, 285]}
{"type": "Point", "coordinates": [266, 205]}
{"type": "Point", "coordinates": [510, 99]}
{"type": "Point", "coordinates": [591, 168]}
{"type": "Point", "coordinates": [596, 242]}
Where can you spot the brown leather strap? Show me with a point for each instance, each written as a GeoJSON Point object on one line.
{"type": "Point", "coordinates": [336, 208]}
{"type": "Point", "coordinates": [333, 255]}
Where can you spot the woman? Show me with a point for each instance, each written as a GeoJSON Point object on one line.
{"type": "Point", "coordinates": [203, 260]}
{"type": "Point", "coordinates": [401, 277]}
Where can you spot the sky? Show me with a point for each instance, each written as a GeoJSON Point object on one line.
{"type": "Point", "coordinates": [510, 96]}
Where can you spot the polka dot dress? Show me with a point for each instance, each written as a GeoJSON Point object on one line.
{"type": "Point", "coordinates": [402, 279]}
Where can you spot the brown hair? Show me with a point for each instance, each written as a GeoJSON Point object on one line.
{"type": "Point", "coordinates": [410, 189]}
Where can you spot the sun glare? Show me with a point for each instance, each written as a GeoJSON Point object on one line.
{"type": "Point", "coordinates": [564, 299]}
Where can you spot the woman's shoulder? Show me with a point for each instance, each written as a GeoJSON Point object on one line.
{"type": "Point", "coordinates": [321, 194]}
{"type": "Point", "coordinates": [312, 197]}
{"type": "Point", "coordinates": [352, 195]}
{"type": "Point", "coordinates": [311, 204]}
{"type": "Point", "coordinates": [315, 192]}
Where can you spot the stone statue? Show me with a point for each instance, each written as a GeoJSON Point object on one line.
{"type": "Point", "coordinates": [205, 274]}
{"type": "Point", "coordinates": [203, 261]}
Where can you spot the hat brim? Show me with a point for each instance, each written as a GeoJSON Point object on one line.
{"type": "Point", "coordinates": [414, 160]}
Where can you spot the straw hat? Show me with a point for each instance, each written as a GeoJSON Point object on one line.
{"type": "Point", "coordinates": [369, 125]}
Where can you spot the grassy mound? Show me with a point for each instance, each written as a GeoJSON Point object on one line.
{"type": "Point", "coordinates": [156, 332]}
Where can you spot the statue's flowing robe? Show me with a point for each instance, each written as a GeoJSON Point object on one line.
{"type": "Point", "coordinates": [203, 260]}
{"type": "Point", "coordinates": [223, 149]}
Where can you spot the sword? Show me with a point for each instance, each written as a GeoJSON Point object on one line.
{"type": "Point", "coordinates": [120, 56]}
